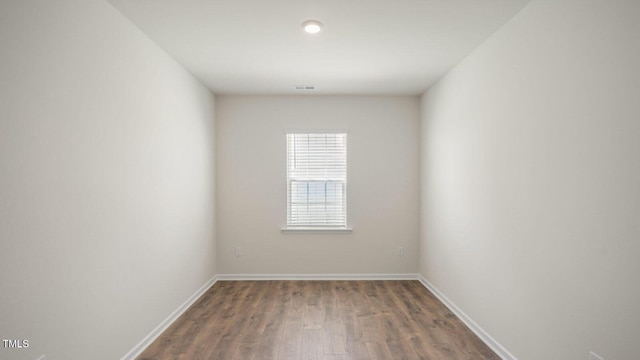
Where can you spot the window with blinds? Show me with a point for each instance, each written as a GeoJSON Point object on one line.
{"type": "Point", "coordinates": [316, 180]}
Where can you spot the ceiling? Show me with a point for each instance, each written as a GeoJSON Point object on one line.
{"type": "Point", "coordinates": [366, 46]}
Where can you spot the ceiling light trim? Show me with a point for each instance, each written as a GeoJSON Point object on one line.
{"type": "Point", "coordinates": [312, 26]}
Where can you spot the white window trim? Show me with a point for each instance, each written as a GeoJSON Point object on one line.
{"type": "Point", "coordinates": [301, 229]}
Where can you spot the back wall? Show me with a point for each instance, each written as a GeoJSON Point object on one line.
{"type": "Point", "coordinates": [383, 185]}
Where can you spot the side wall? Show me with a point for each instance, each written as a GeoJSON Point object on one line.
{"type": "Point", "coordinates": [106, 181]}
{"type": "Point", "coordinates": [530, 172]}
{"type": "Point", "coordinates": [383, 185]}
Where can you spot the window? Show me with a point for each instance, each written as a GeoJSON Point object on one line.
{"type": "Point", "coordinates": [317, 181]}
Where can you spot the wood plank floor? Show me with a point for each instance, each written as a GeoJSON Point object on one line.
{"type": "Point", "coordinates": [322, 320]}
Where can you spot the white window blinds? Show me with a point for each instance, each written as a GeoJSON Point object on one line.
{"type": "Point", "coordinates": [317, 180]}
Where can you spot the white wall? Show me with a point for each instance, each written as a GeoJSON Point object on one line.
{"type": "Point", "coordinates": [106, 181]}
{"type": "Point", "coordinates": [530, 174]}
{"type": "Point", "coordinates": [383, 184]}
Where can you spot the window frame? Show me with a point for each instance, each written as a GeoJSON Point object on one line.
{"type": "Point", "coordinates": [310, 227]}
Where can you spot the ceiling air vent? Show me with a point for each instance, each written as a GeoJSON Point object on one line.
{"type": "Point", "coordinates": [305, 87]}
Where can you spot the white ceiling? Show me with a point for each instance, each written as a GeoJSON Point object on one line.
{"type": "Point", "coordinates": [366, 46]}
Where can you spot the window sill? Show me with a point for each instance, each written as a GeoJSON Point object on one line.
{"type": "Point", "coordinates": [315, 230]}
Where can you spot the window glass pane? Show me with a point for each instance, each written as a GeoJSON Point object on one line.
{"type": "Point", "coordinates": [333, 192]}
{"type": "Point", "coordinates": [299, 191]}
{"type": "Point", "coordinates": [316, 192]}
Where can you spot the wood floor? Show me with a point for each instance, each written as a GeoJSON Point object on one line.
{"type": "Point", "coordinates": [324, 320]}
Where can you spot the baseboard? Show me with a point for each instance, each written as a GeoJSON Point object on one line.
{"type": "Point", "coordinates": [500, 350]}
{"type": "Point", "coordinates": [240, 277]}
{"type": "Point", "coordinates": [144, 343]}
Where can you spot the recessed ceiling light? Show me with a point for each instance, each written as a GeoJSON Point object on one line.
{"type": "Point", "coordinates": [312, 26]}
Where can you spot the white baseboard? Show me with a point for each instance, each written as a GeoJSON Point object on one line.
{"type": "Point", "coordinates": [483, 335]}
{"type": "Point", "coordinates": [239, 277]}
{"type": "Point", "coordinates": [144, 343]}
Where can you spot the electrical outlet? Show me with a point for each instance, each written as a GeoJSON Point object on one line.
{"type": "Point", "coordinates": [400, 250]}
{"type": "Point", "coordinates": [238, 252]}
{"type": "Point", "coordinates": [594, 356]}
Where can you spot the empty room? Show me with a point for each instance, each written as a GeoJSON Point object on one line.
{"type": "Point", "coordinates": [329, 180]}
